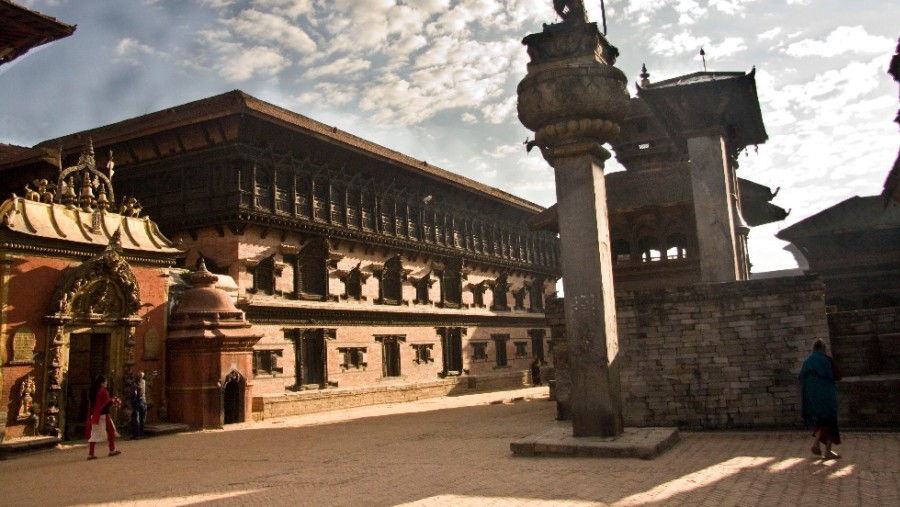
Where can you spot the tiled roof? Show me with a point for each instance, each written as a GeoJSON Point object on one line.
{"type": "Point", "coordinates": [22, 29]}
{"type": "Point", "coordinates": [238, 102]}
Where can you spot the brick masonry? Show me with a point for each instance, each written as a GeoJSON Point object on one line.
{"type": "Point", "coordinates": [716, 356]}
{"type": "Point", "coordinates": [308, 402]}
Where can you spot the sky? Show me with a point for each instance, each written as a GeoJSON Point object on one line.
{"type": "Point", "coordinates": [436, 79]}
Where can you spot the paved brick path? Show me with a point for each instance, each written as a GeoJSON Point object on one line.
{"type": "Point", "coordinates": [452, 451]}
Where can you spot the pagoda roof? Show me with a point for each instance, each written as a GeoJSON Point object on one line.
{"type": "Point", "coordinates": [56, 222]}
{"type": "Point", "coordinates": [855, 214]}
{"type": "Point", "coordinates": [630, 190]}
{"type": "Point", "coordinates": [22, 29]}
{"type": "Point", "coordinates": [239, 103]}
{"type": "Point", "coordinates": [704, 100]}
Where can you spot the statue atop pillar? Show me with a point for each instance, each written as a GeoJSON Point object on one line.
{"type": "Point", "coordinates": [571, 11]}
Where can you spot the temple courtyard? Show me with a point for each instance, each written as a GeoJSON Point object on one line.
{"type": "Point", "coordinates": [449, 451]}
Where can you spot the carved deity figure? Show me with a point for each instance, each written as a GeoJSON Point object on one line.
{"type": "Point", "coordinates": [571, 11]}
{"type": "Point", "coordinates": [26, 397]}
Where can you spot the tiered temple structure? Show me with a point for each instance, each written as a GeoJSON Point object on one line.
{"type": "Point", "coordinates": [679, 214]}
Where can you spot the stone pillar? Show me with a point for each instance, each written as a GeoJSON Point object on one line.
{"type": "Point", "coordinates": [714, 211]}
{"type": "Point", "coordinates": [572, 98]}
{"type": "Point", "coordinates": [590, 306]}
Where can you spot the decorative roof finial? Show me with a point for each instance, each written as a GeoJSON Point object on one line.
{"type": "Point", "coordinates": [703, 56]}
{"type": "Point", "coordinates": [645, 81]}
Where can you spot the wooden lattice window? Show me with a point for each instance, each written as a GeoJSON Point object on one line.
{"type": "Point", "coordinates": [313, 274]}
{"type": "Point", "coordinates": [391, 281]}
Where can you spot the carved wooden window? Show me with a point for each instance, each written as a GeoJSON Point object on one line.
{"type": "Point", "coordinates": [320, 199]}
{"type": "Point", "coordinates": [676, 246]}
{"type": "Point", "coordinates": [424, 353]}
{"type": "Point", "coordinates": [413, 222]}
{"type": "Point", "coordinates": [500, 346]}
{"type": "Point", "coordinates": [451, 284]}
{"type": "Point", "coordinates": [264, 276]}
{"type": "Point", "coordinates": [399, 219]}
{"type": "Point", "coordinates": [451, 349]}
{"type": "Point", "coordinates": [267, 362]}
{"type": "Point", "coordinates": [478, 295]}
{"type": "Point", "coordinates": [310, 356]}
{"type": "Point", "coordinates": [390, 354]}
{"type": "Point", "coordinates": [263, 189]}
{"type": "Point", "coordinates": [537, 344]}
{"type": "Point", "coordinates": [649, 248]}
{"type": "Point", "coordinates": [476, 237]}
{"type": "Point", "coordinates": [368, 212]}
{"type": "Point", "coordinates": [338, 200]}
{"type": "Point", "coordinates": [536, 295]}
{"type": "Point", "coordinates": [519, 297]}
{"type": "Point", "coordinates": [313, 274]}
{"type": "Point", "coordinates": [283, 189]}
{"type": "Point", "coordinates": [354, 284]}
{"type": "Point", "coordinates": [245, 182]}
{"type": "Point", "coordinates": [501, 287]}
{"type": "Point", "coordinates": [438, 229]}
{"type": "Point", "coordinates": [353, 205]}
{"type": "Point", "coordinates": [457, 236]}
{"type": "Point", "coordinates": [621, 251]}
{"type": "Point", "coordinates": [479, 351]}
{"type": "Point", "coordinates": [428, 226]}
{"type": "Point", "coordinates": [422, 286]}
{"type": "Point", "coordinates": [301, 197]}
{"type": "Point", "coordinates": [386, 220]}
{"type": "Point", "coordinates": [353, 358]}
{"type": "Point", "coordinates": [391, 282]}
{"type": "Point", "coordinates": [521, 349]}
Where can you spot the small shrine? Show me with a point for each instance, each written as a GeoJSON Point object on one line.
{"type": "Point", "coordinates": [210, 356]}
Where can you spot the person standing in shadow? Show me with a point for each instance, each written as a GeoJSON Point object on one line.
{"type": "Point", "coordinates": [818, 378]}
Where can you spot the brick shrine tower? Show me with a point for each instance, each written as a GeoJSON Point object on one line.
{"type": "Point", "coordinates": [210, 354]}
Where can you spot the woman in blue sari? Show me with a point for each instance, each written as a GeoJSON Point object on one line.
{"type": "Point", "coordinates": [818, 378]}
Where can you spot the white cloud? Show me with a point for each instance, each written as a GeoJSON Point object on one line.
{"type": "Point", "coordinates": [345, 67]}
{"type": "Point", "coordinates": [770, 34]}
{"type": "Point", "coordinates": [468, 118]}
{"type": "Point", "coordinates": [844, 39]}
{"type": "Point", "coordinates": [258, 61]}
{"type": "Point", "coordinates": [680, 43]}
{"type": "Point", "coordinates": [501, 112]}
{"type": "Point", "coordinates": [129, 50]}
{"type": "Point", "coordinates": [730, 7]}
{"type": "Point", "coordinates": [271, 29]}
{"type": "Point", "coordinates": [290, 8]}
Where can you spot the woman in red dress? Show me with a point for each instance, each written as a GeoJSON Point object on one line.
{"type": "Point", "coordinates": [100, 426]}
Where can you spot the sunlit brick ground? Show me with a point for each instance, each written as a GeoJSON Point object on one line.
{"type": "Point", "coordinates": [453, 452]}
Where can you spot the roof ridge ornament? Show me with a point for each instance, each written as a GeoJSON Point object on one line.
{"type": "Point", "coordinates": [90, 179]}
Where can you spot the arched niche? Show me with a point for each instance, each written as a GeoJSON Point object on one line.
{"type": "Point", "coordinates": [91, 328]}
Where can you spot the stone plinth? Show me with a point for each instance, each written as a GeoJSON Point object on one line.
{"type": "Point", "coordinates": [644, 443]}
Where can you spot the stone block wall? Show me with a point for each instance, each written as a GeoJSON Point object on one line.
{"type": "Point", "coordinates": [866, 342]}
{"type": "Point", "coordinates": [718, 356]}
{"type": "Point", "coordinates": [866, 346]}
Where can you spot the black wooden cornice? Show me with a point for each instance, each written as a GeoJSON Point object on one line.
{"type": "Point", "coordinates": [305, 316]}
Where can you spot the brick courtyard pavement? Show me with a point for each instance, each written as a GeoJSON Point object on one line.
{"type": "Point", "coordinates": [452, 451]}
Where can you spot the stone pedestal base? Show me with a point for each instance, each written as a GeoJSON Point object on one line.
{"type": "Point", "coordinates": [644, 443]}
